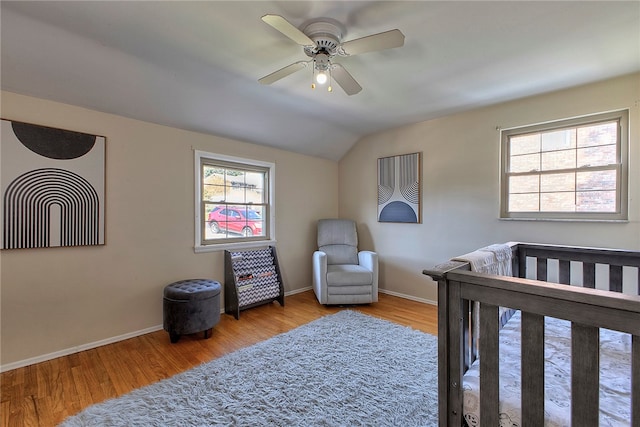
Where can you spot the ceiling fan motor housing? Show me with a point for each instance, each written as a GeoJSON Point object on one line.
{"type": "Point", "coordinates": [327, 35]}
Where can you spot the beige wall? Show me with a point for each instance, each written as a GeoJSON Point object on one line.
{"type": "Point", "coordinates": [57, 299]}
{"type": "Point", "coordinates": [461, 185]}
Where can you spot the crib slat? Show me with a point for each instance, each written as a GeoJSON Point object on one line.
{"type": "Point", "coordinates": [588, 275]}
{"type": "Point", "coordinates": [443, 352]}
{"type": "Point", "coordinates": [532, 369]}
{"type": "Point", "coordinates": [615, 278]}
{"type": "Point", "coordinates": [541, 268]}
{"type": "Point", "coordinates": [522, 264]}
{"type": "Point", "coordinates": [564, 275]}
{"type": "Point", "coordinates": [635, 380]}
{"type": "Point", "coordinates": [489, 365]}
{"type": "Point", "coordinates": [585, 384]}
{"type": "Point", "coordinates": [469, 334]}
{"type": "Point", "coordinates": [455, 352]}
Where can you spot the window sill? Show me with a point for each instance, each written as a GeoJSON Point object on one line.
{"type": "Point", "coordinates": [623, 221]}
{"type": "Point", "coordinates": [233, 246]}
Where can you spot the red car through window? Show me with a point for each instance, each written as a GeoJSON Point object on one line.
{"type": "Point", "coordinates": [235, 219]}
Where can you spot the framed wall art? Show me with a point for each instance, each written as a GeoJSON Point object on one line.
{"type": "Point", "coordinates": [52, 186]}
{"type": "Point", "coordinates": [399, 188]}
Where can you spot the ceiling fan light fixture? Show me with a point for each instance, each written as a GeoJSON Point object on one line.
{"type": "Point", "coordinates": [321, 77]}
{"type": "Point", "coordinates": [321, 65]}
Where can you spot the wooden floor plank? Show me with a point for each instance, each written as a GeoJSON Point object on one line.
{"type": "Point", "coordinates": [5, 408]}
{"type": "Point", "coordinates": [46, 393]}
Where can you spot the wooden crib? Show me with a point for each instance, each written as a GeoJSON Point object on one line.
{"type": "Point", "coordinates": [587, 308]}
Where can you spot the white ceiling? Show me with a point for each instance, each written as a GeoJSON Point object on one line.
{"type": "Point", "coordinates": [195, 65]}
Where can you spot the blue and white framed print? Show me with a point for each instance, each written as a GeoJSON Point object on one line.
{"type": "Point", "coordinates": [399, 188]}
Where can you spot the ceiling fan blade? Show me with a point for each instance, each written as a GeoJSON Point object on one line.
{"type": "Point", "coordinates": [345, 80]}
{"type": "Point", "coordinates": [288, 29]}
{"type": "Point", "coordinates": [380, 41]}
{"type": "Point", "coordinates": [283, 72]}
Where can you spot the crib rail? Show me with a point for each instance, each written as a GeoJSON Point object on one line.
{"type": "Point", "coordinates": [614, 259]}
{"type": "Point", "coordinates": [586, 307]}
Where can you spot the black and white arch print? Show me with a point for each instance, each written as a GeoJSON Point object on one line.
{"type": "Point", "coordinates": [399, 188]}
{"type": "Point", "coordinates": [52, 183]}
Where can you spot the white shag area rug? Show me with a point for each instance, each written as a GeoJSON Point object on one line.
{"type": "Point", "coordinates": [345, 369]}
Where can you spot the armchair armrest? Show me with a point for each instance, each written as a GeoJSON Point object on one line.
{"type": "Point", "coordinates": [369, 260]}
{"type": "Point", "coordinates": [319, 281]}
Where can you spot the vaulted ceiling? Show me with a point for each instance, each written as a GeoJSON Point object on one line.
{"type": "Point", "coordinates": [195, 65]}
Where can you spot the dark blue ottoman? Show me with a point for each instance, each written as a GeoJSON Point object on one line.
{"type": "Point", "coordinates": [191, 306]}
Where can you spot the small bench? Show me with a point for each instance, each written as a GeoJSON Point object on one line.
{"type": "Point", "coordinates": [191, 306]}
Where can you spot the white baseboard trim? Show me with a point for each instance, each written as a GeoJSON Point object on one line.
{"type": "Point", "coordinates": [89, 346]}
{"type": "Point", "coordinates": [297, 291]}
{"type": "Point", "coordinates": [409, 297]}
{"type": "Point", "coordinates": [76, 349]}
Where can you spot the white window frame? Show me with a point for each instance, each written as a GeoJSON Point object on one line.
{"type": "Point", "coordinates": [268, 239]}
{"type": "Point", "coordinates": [622, 195]}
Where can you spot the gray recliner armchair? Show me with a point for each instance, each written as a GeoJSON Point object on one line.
{"type": "Point", "coordinates": [341, 274]}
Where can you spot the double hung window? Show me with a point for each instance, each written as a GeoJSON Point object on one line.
{"type": "Point", "coordinates": [234, 201]}
{"type": "Point", "coordinates": [570, 169]}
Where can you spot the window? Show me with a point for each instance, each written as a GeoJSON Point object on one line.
{"type": "Point", "coordinates": [570, 169]}
{"type": "Point", "coordinates": [234, 200]}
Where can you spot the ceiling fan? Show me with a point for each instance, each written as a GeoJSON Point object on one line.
{"type": "Point", "coordinates": [322, 41]}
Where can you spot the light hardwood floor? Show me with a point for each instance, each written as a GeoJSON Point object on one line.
{"type": "Point", "coordinates": [46, 393]}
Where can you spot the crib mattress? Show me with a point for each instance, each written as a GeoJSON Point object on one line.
{"type": "Point", "coordinates": [615, 374]}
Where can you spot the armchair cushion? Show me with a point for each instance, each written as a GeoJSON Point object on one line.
{"type": "Point", "coordinates": [340, 254]}
{"type": "Point", "coordinates": [348, 274]}
{"type": "Point", "coordinates": [339, 240]}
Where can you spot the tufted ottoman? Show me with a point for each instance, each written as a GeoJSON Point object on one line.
{"type": "Point", "coordinates": [191, 306]}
